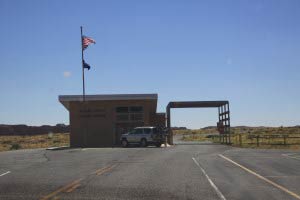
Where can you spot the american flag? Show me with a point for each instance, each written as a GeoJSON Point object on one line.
{"type": "Point", "coordinates": [86, 41]}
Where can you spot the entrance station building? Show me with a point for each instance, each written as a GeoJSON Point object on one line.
{"type": "Point", "coordinates": [101, 119]}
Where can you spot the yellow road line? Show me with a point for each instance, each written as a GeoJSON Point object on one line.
{"type": "Point", "coordinates": [104, 169]}
{"type": "Point", "coordinates": [75, 184]}
{"type": "Point", "coordinates": [261, 177]}
{"type": "Point", "coordinates": [73, 188]}
{"type": "Point", "coordinates": [62, 189]}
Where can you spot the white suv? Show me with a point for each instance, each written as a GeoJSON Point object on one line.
{"type": "Point", "coordinates": [144, 136]}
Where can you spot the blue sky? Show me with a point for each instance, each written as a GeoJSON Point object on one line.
{"type": "Point", "coordinates": [244, 51]}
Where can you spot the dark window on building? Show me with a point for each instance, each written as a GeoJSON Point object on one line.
{"type": "Point", "coordinates": [136, 109]}
{"type": "Point", "coordinates": [122, 117]}
{"type": "Point", "coordinates": [136, 117]}
{"type": "Point", "coordinates": [122, 109]}
{"type": "Point", "coordinates": [130, 114]}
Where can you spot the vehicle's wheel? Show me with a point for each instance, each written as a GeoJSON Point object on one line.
{"type": "Point", "coordinates": [124, 143]}
{"type": "Point", "coordinates": [158, 144]}
{"type": "Point", "coordinates": [143, 142]}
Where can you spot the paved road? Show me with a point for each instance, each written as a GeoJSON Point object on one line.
{"type": "Point", "coordinates": [187, 171]}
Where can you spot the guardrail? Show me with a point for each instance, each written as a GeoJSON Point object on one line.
{"type": "Point", "coordinates": [257, 139]}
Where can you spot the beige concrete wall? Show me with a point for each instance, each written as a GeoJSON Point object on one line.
{"type": "Point", "coordinates": [93, 123]}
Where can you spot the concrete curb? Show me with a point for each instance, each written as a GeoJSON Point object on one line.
{"type": "Point", "coordinates": [58, 148]}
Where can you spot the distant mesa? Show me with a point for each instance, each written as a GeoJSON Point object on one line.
{"type": "Point", "coordinates": [243, 128]}
{"type": "Point", "coordinates": [21, 129]}
{"type": "Point", "coordinates": [209, 127]}
{"type": "Point", "coordinates": [178, 128]}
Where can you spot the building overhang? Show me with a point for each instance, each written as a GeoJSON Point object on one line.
{"type": "Point", "coordinates": [66, 99]}
{"type": "Point", "coordinates": [196, 104]}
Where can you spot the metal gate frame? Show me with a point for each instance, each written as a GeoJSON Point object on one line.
{"type": "Point", "coordinates": [223, 113]}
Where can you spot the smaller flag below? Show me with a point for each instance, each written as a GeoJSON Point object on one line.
{"type": "Point", "coordinates": [86, 41]}
{"type": "Point", "coordinates": [85, 65]}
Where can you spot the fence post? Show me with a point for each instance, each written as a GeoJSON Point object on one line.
{"type": "Point", "coordinates": [228, 137]}
{"type": "Point", "coordinates": [284, 140]}
{"type": "Point", "coordinates": [240, 138]}
{"type": "Point", "coordinates": [222, 136]}
{"type": "Point", "coordinates": [257, 140]}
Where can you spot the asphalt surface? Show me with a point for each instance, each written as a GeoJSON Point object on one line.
{"type": "Point", "coordinates": [183, 171]}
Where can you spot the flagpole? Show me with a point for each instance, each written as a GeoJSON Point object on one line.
{"type": "Point", "coordinates": [83, 85]}
{"type": "Point", "coordinates": [85, 129]}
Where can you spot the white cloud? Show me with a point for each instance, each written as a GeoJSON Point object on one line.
{"type": "Point", "coordinates": [67, 74]}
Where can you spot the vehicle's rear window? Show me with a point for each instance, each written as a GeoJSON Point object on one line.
{"type": "Point", "coordinates": [138, 131]}
{"type": "Point", "coordinates": [147, 130]}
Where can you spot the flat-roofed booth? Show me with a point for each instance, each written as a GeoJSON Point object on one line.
{"type": "Point", "coordinates": [100, 120]}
